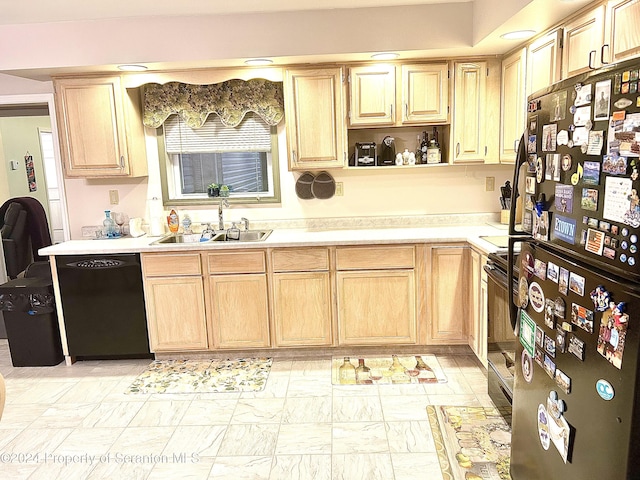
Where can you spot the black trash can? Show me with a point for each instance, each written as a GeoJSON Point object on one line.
{"type": "Point", "coordinates": [31, 321]}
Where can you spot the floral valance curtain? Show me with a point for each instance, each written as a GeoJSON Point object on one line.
{"type": "Point", "coordinates": [230, 100]}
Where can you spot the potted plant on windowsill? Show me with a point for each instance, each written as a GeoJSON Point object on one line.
{"type": "Point", "coordinates": [213, 190]}
{"type": "Point", "coordinates": [224, 190]}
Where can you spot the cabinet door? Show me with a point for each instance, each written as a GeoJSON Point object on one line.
{"type": "Point", "coordinates": [92, 119]}
{"type": "Point", "coordinates": [583, 40]}
{"type": "Point", "coordinates": [425, 93]}
{"type": "Point", "coordinates": [302, 309]}
{"type": "Point", "coordinates": [449, 311]}
{"type": "Point", "coordinates": [376, 307]}
{"type": "Point", "coordinates": [543, 62]}
{"type": "Point", "coordinates": [498, 323]}
{"type": "Point", "coordinates": [623, 35]}
{"type": "Point", "coordinates": [240, 316]}
{"type": "Point", "coordinates": [314, 108]}
{"type": "Point", "coordinates": [469, 138]}
{"type": "Point", "coordinates": [513, 100]}
{"type": "Point", "coordinates": [176, 313]}
{"type": "Point", "coordinates": [478, 330]}
{"type": "Point", "coordinates": [372, 95]}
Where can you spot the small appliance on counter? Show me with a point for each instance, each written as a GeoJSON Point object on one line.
{"type": "Point", "coordinates": [387, 153]}
{"type": "Point", "coordinates": [365, 154]}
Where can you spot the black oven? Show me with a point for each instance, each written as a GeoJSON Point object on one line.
{"type": "Point", "coordinates": [501, 341]}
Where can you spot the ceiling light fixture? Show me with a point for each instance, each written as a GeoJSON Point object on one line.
{"type": "Point", "coordinates": [518, 35]}
{"type": "Point", "coordinates": [258, 62]}
{"type": "Point", "coordinates": [385, 56]}
{"type": "Point", "coordinates": [132, 68]}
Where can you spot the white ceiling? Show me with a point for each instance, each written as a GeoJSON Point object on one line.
{"type": "Point", "coordinates": [39, 38]}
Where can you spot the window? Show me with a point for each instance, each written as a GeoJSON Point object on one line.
{"type": "Point", "coordinates": [244, 157]}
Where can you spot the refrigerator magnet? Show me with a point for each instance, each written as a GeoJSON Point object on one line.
{"type": "Point", "coordinates": [612, 334]}
{"type": "Point", "coordinates": [523, 292]}
{"type": "Point", "coordinates": [561, 340]}
{"type": "Point", "coordinates": [562, 138]}
{"type": "Point", "coordinates": [582, 317]}
{"type": "Point", "coordinates": [589, 199]}
{"type": "Point", "coordinates": [540, 269]}
{"type": "Point", "coordinates": [605, 389]}
{"type": "Point", "coordinates": [549, 317]}
{"type": "Point", "coordinates": [552, 171]}
{"type": "Point", "coordinates": [563, 282]}
{"type": "Point", "coordinates": [575, 346]}
{"type": "Point", "coordinates": [601, 298]}
{"type": "Point", "coordinates": [543, 427]}
{"type": "Point", "coordinates": [539, 169]}
{"type": "Point", "coordinates": [567, 160]}
{"type": "Point", "coordinates": [527, 333]}
{"type": "Point", "coordinates": [539, 336]}
{"type": "Point", "coordinates": [563, 381]}
{"type": "Point", "coordinates": [591, 172]}
{"type": "Point", "coordinates": [549, 366]}
{"type": "Point", "coordinates": [595, 241]}
{"type": "Point", "coordinates": [609, 253]}
{"type": "Point", "coordinates": [536, 297]}
{"type": "Point", "coordinates": [527, 265]}
{"type": "Point", "coordinates": [549, 137]}
{"type": "Point", "coordinates": [576, 283]}
{"type": "Point", "coordinates": [621, 104]}
{"type": "Point", "coordinates": [559, 307]}
{"type": "Point", "coordinates": [530, 185]}
{"type": "Point", "coordinates": [531, 144]}
{"type": "Point", "coordinates": [553, 272]}
{"type": "Point", "coordinates": [539, 357]}
{"type": "Point", "coordinates": [550, 346]}
{"type": "Point", "coordinates": [527, 366]}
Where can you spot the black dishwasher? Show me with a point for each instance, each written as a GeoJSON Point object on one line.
{"type": "Point", "coordinates": [103, 305]}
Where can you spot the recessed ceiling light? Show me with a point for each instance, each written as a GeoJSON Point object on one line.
{"type": "Point", "coordinates": [257, 62]}
{"type": "Point", "coordinates": [518, 35]}
{"type": "Point", "coordinates": [385, 56]}
{"type": "Point", "coordinates": [132, 68]}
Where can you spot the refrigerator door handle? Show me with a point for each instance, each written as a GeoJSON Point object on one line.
{"type": "Point", "coordinates": [521, 158]}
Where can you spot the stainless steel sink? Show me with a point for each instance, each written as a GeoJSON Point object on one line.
{"type": "Point", "coordinates": [245, 236]}
{"type": "Point", "coordinates": [178, 238]}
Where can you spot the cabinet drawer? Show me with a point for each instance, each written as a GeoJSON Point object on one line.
{"type": "Point", "coordinates": [174, 264]}
{"type": "Point", "coordinates": [236, 262]}
{"type": "Point", "coordinates": [300, 260]}
{"type": "Point", "coordinates": [367, 258]}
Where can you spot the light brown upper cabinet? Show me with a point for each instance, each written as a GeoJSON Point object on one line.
{"type": "Point", "coordinates": [100, 126]}
{"type": "Point", "coordinates": [411, 94]}
{"type": "Point", "coordinates": [622, 32]}
{"type": "Point", "coordinates": [372, 96]}
{"type": "Point", "coordinates": [583, 43]}
{"type": "Point", "coordinates": [315, 120]}
{"type": "Point", "coordinates": [476, 112]}
{"type": "Point", "coordinates": [425, 93]}
{"type": "Point", "coordinates": [544, 61]}
{"type": "Point", "coordinates": [513, 102]}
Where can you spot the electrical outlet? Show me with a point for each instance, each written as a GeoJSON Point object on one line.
{"type": "Point", "coordinates": [339, 189]}
{"type": "Point", "coordinates": [113, 197]}
{"type": "Point", "coordinates": [489, 184]}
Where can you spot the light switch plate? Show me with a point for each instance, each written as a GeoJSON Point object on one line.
{"type": "Point", "coordinates": [489, 184]}
{"type": "Point", "coordinates": [113, 197]}
{"type": "Point", "coordinates": [339, 189]}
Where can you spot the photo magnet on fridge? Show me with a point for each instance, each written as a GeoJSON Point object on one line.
{"type": "Point", "coordinates": [550, 346]}
{"type": "Point", "coordinates": [540, 269]}
{"type": "Point", "coordinates": [575, 346]}
{"type": "Point", "coordinates": [549, 317]}
{"type": "Point", "coordinates": [538, 357]}
{"type": "Point", "coordinates": [563, 282]}
{"type": "Point", "coordinates": [576, 283]}
{"type": "Point", "coordinates": [582, 317]}
{"type": "Point", "coordinates": [561, 340]}
{"type": "Point", "coordinates": [563, 381]}
{"type": "Point", "coordinates": [613, 332]}
{"type": "Point", "coordinates": [539, 336]}
{"type": "Point", "coordinates": [601, 298]}
{"type": "Point", "coordinates": [553, 272]}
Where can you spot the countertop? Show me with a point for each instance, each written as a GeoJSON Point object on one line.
{"type": "Point", "coordinates": [286, 237]}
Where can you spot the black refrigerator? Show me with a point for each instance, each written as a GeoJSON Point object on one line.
{"type": "Point", "coordinates": [576, 405]}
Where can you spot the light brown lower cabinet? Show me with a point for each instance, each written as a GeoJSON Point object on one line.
{"type": "Point", "coordinates": [448, 305]}
{"type": "Point", "coordinates": [239, 310]}
{"type": "Point", "coordinates": [175, 304]}
{"type": "Point", "coordinates": [376, 307]}
{"type": "Point", "coordinates": [302, 309]}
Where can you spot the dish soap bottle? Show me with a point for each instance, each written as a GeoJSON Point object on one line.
{"type": "Point", "coordinates": [109, 225]}
{"type": "Point", "coordinates": [173, 221]}
{"type": "Point", "coordinates": [186, 225]}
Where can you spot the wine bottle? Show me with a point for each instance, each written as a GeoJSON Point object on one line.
{"type": "Point", "coordinates": [434, 154]}
{"type": "Point", "coordinates": [347, 372]}
{"type": "Point", "coordinates": [418, 150]}
{"type": "Point", "coordinates": [362, 373]}
{"type": "Point", "coordinates": [423, 147]}
{"type": "Point", "coordinates": [425, 370]}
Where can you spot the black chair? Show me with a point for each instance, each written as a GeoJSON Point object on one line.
{"type": "Point", "coordinates": [15, 240]}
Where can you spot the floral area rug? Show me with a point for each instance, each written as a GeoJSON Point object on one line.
{"type": "Point", "coordinates": [390, 369]}
{"type": "Point", "coordinates": [472, 442]}
{"type": "Point", "coordinates": [189, 376]}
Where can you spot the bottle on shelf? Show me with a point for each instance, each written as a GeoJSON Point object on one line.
{"type": "Point", "coordinates": [347, 372]}
{"type": "Point", "coordinates": [434, 154]}
{"type": "Point", "coordinates": [363, 373]}
{"type": "Point", "coordinates": [424, 145]}
{"type": "Point", "coordinates": [418, 150]}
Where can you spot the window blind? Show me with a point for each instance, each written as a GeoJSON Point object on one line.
{"type": "Point", "coordinates": [251, 135]}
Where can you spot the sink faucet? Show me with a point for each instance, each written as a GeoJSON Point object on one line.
{"type": "Point", "coordinates": [223, 203]}
{"type": "Point", "coordinates": [246, 223]}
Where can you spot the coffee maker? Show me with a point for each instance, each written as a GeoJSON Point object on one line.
{"type": "Point", "coordinates": [387, 153]}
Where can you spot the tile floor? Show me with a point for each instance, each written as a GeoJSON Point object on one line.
{"type": "Point", "coordinates": [77, 423]}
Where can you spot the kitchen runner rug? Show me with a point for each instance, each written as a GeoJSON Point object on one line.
{"type": "Point", "coordinates": [389, 369]}
{"type": "Point", "coordinates": [210, 376]}
{"type": "Point", "coordinates": [471, 442]}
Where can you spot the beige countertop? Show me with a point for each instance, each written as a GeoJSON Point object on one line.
{"type": "Point", "coordinates": [291, 237]}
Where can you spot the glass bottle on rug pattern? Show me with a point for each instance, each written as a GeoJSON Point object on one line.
{"type": "Point", "coordinates": [396, 367]}
{"type": "Point", "coordinates": [347, 372]}
{"type": "Point", "coordinates": [425, 370]}
{"type": "Point", "coordinates": [362, 372]}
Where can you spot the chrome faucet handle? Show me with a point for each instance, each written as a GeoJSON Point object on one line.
{"type": "Point", "coordinates": [246, 222]}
